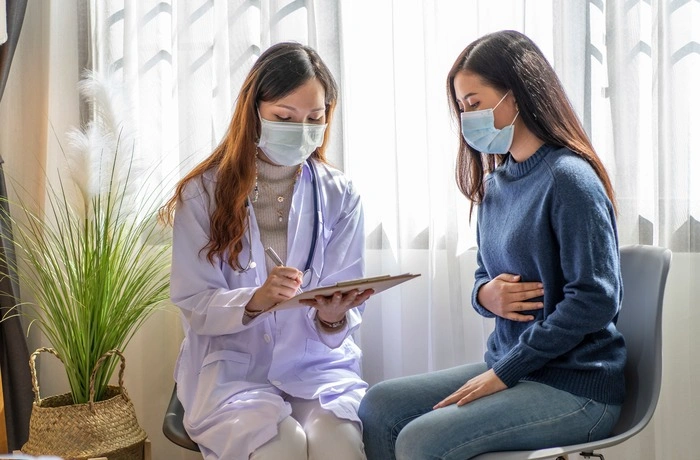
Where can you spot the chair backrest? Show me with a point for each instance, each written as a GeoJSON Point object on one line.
{"type": "Point", "coordinates": [644, 273]}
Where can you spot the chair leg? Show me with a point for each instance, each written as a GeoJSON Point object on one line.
{"type": "Point", "coordinates": [591, 454]}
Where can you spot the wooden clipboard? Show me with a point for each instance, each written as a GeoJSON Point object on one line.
{"type": "Point", "coordinates": [378, 283]}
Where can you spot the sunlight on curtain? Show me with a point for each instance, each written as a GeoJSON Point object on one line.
{"type": "Point", "coordinates": [39, 104]}
{"type": "Point", "coordinates": [645, 60]}
{"type": "Point", "coordinates": [182, 64]}
{"type": "Point", "coordinates": [652, 59]}
{"type": "Point", "coordinates": [400, 150]}
{"type": "Point", "coordinates": [629, 68]}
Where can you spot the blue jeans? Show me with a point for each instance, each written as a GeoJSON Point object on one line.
{"type": "Point", "coordinates": [400, 423]}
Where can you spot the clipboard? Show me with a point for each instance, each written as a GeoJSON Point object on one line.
{"type": "Point", "coordinates": [378, 283]}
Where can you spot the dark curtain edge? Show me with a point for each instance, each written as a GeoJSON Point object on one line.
{"type": "Point", "coordinates": [14, 355]}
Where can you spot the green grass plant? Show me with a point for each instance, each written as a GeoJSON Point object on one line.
{"type": "Point", "coordinates": [94, 275]}
{"type": "Point", "coordinates": [96, 267]}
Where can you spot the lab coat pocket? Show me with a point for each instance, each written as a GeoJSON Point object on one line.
{"type": "Point", "coordinates": [225, 366]}
{"type": "Point", "coordinates": [322, 363]}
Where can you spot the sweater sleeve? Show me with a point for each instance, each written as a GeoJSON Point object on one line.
{"type": "Point", "coordinates": [583, 221]}
{"type": "Point", "coordinates": [481, 277]}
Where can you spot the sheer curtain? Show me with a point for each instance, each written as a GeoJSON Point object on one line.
{"type": "Point", "coordinates": [632, 72]}
{"type": "Point", "coordinates": [181, 64]}
{"type": "Point", "coordinates": [628, 67]}
{"type": "Point", "coordinates": [400, 150]}
{"type": "Point", "coordinates": [39, 103]}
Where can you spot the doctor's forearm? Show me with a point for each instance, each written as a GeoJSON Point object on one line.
{"type": "Point", "coordinates": [216, 312]}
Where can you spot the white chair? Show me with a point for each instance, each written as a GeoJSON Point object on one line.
{"type": "Point", "coordinates": [644, 272]}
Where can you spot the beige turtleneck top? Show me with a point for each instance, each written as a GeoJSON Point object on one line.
{"type": "Point", "coordinates": [275, 188]}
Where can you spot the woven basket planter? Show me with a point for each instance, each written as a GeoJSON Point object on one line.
{"type": "Point", "coordinates": [105, 428]}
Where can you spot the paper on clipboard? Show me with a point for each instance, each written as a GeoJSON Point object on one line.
{"type": "Point", "coordinates": [378, 283]}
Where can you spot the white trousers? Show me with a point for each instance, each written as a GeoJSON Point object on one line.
{"type": "Point", "coordinates": [313, 433]}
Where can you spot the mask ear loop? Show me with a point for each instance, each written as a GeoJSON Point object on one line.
{"type": "Point", "coordinates": [516, 105]}
{"type": "Point", "coordinates": [499, 102]}
{"type": "Point", "coordinates": [516, 117]}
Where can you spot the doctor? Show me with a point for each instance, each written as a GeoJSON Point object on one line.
{"type": "Point", "coordinates": [258, 384]}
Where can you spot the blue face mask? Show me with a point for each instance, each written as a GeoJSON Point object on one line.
{"type": "Point", "coordinates": [289, 144]}
{"type": "Point", "coordinates": [480, 133]}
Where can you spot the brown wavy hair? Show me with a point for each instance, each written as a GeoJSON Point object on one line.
{"type": "Point", "coordinates": [278, 71]}
{"type": "Point", "coordinates": [509, 60]}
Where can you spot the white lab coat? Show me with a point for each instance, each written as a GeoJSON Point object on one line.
{"type": "Point", "coordinates": [232, 378]}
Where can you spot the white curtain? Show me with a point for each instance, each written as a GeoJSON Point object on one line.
{"type": "Point", "coordinates": [629, 68]}
{"type": "Point", "coordinates": [39, 104]}
{"type": "Point", "coordinates": [3, 22]}
{"type": "Point", "coordinates": [182, 64]}
{"type": "Point", "coordinates": [632, 66]}
{"type": "Point", "coordinates": [400, 149]}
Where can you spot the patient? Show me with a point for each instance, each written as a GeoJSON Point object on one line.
{"type": "Point", "coordinates": [548, 272]}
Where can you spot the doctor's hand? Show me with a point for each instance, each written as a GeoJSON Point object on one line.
{"type": "Point", "coordinates": [281, 284]}
{"type": "Point", "coordinates": [506, 296]}
{"type": "Point", "coordinates": [332, 308]}
{"type": "Point", "coordinates": [482, 385]}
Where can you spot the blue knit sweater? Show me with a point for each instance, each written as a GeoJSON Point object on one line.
{"type": "Point", "coordinates": [549, 219]}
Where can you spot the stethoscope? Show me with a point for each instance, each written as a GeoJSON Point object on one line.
{"type": "Point", "coordinates": [307, 273]}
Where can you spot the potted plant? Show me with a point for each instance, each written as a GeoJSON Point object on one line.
{"type": "Point", "coordinates": [94, 270]}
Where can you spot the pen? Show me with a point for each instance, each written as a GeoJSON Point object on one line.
{"type": "Point", "coordinates": [276, 259]}
{"type": "Point", "coordinates": [273, 255]}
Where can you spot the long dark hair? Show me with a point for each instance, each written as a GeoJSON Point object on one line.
{"type": "Point", "coordinates": [279, 70]}
{"type": "Point", "coordinates": [509, 60]}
